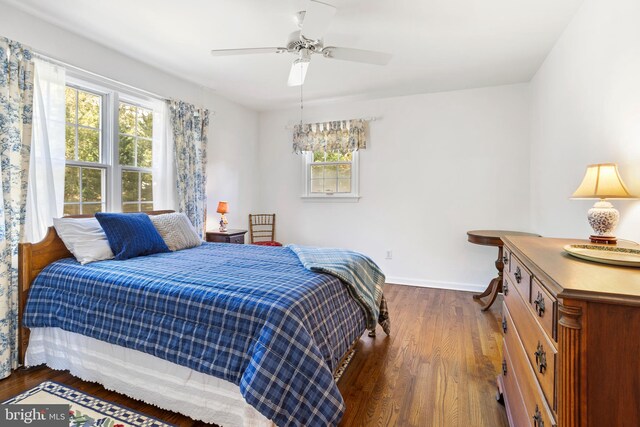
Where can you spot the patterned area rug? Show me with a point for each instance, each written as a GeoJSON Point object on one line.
{"type": "Point", "coordinates": [90, 411]}
{"type": "Point", "coordinates": [86, 410]}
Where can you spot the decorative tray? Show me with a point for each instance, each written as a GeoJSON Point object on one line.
{"type": "Point", "coordinates": [606, 254]}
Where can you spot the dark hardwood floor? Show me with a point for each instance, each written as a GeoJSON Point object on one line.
{"type": "Point", "coordinates": [438, 367]}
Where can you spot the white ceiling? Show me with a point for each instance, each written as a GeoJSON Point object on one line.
{"type": "Point", "coordinates": [436, 44]}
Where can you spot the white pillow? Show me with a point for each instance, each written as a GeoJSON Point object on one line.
{"type": "Point", "coordinates": [176, 231]}
{"type": "Point", "coordinates": [85, 238]}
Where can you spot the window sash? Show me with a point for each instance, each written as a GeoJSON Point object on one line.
{"type": "Point", "coordinates": [103, 195]}
{"type": "Point", "coordinates": [139, 171]}
{"type": "Point", "coordinates": [308, 163]}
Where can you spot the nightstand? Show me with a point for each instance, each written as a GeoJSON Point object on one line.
{"type": "Point", "coordinates": [229, 236]}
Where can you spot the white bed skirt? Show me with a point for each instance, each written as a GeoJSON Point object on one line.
{"type": "Point", "coordinates": [143, 377]}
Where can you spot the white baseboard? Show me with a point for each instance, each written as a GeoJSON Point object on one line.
{"type": "Point", "coordinates": [438, 284]}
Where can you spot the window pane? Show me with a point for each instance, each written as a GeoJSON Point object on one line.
{"type": "Point", "coordinates": [145, 123]}
{"type": "Point", "coordinates": [318, 156]}
{"type": "Point", "coordinates": [127, 151]}
{"type": "Point", "coordinates": [91, 208]}
{"type": "Point", "coordinates": [333, 157]}
{"type": "Point", "coordinates": [88, 145]}
{"type": "Point", "coordinates": [344, 171]}
{"type": "Point", "coordinates": [344, 186]}
{"type": "Point", "coordinates": [330, 186]}
{"type": "Point", "coordinates": [130, 207]}
{"type": "Point", "coordinates": [70, 105]}
{"type": "Point", "coordinates": [316, 172]}
{"type": "Point", "coordinates": [146, 206]}
{"type": "Point", "coordinates": [71, 184]}
{"type": "Point", "coordinates": [70, 142]}
{"type": "Point", "coordinates": [130, 186]}
{"type": "Point", "coordinates": [346, 157]}
{"type": "Point", "coordinates": [89, 109]}
{"type": "Point", "coordinates": [330, 171]}
{"type": "Point", "coordinates": [146, 187]}
{"type": "Point", "coordinates": [144, 153]}
{"type": "Point", "coordinates": [317, 185]}
{"type": "Point", "coordinates": [71, 210]}
{"type": "Point", "coordinates": [127, 118]}
{"type": "Point", "coordinates": [91, 185]}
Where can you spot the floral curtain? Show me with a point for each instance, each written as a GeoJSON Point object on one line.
{"type": "Point", "coordinates": [189, 125]}
{"type": "Point", "coordinates": [16, 105]}
{"type": "Point", "coordinates": [336, 137]}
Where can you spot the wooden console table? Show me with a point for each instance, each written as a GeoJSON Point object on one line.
{"type": "Point", "coordinates": [493, 238]}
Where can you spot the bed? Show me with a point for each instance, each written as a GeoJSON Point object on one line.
{"type": "Point", "coordinates": [228, 334]}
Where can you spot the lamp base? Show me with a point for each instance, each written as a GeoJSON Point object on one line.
{"type": "Point", "coordinates": [223, 223]}
{"type": "Point", "coordinates": [603, 218]}
{"type": "Point", "coordinates": [603, 240]}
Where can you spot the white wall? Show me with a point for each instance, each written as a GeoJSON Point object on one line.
{"type": "Point", "coordinates": [436, 166]}
{"type": "Point", "coordinates": [586, 109]}
{"type": "Point", "coordinates": [233, 130]}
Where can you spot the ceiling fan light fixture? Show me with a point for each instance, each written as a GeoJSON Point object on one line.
{"type": "Point", "coordinates": [298, 71]}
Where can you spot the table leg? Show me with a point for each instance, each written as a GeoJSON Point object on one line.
{"type": "Point", "coordinates": [495, 285]}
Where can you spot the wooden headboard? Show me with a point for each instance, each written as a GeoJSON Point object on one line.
{"type": "Point", "coordinates": [32, 258]}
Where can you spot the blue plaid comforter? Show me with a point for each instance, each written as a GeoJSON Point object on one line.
{"type": "Point", "coordinates": [249, 314]}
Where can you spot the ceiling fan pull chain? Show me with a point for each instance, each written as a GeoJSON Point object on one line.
{"type": "Point", "coordinates": [301, 99]}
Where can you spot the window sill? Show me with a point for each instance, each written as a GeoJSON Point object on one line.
{"type": "Point", "coordinates": [332, 198]}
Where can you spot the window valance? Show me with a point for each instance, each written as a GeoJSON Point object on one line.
{"type": "Point", "coordinates": [341, 136]}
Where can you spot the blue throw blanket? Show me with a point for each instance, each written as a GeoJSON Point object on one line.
{"type": "Point", "coordinates": [363, 277]}
{"type": "Point", "coordinates": [248, 314]}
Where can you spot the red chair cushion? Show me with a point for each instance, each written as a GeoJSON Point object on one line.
{"type": "Point", "coordinates": [270, 243]}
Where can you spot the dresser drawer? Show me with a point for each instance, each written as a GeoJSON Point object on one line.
{"type": "Point", "coordinates": [237, 239]}
{"type": "Point", "coordinates": [518, 364]}
{"type": "Point", "coordinates": [540, 351]}
{"type": "Point", "coordinates": [514, 402]}
{"type": "Point", "coordinates": [545, 307]}
{"type": "Point", "coordinates": [506, 260]}
{"type": "Point", "coordinates": [520, 276]}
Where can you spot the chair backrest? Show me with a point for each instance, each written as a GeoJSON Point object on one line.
{"type": "Point", "coordinates": [262, 227]}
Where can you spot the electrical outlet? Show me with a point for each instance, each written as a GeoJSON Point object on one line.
{"type": "Point", "coordinates": [389, 255]}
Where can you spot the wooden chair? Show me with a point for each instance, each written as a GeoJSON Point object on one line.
{"type": "Point", "coordinates": [262, 229]}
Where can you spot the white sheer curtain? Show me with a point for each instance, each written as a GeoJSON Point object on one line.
{"type": "Point", "coordinates": [45, 193]}
{"type": "Point", "coordinates": [165, 193]}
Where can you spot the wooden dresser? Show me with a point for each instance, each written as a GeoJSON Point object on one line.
{"type": "Point", "coordinates": [571, 350]}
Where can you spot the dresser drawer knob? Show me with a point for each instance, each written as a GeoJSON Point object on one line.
{"type": "Point", "coordinates": [504, 325]}
{"type": "Point", "coordinates": [518, 275]}
{"type": "Point", "coordinates": [539, 303]}
{"type": "Point", "coordinates": [505, 259]}
{"type": "Point", "coordinates": [505, 287]}
{"type": "Point", "coordinates": [541, 358]}
{"type": "Point", "coordinates": [537, 418]}
{"type": "Point", "coordinates": [504, 367]}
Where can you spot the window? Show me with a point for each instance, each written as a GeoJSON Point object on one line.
{"type": "Point", "coordinates": [103, 172]}
{"type": "Point", "coordinates": [135, 133]}
{"type": "Point", "coordinates": [84, 181]}
{"type": "Point", "coordinates": [330, 174]}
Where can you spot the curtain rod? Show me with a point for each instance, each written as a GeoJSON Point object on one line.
{"type": "Point", "coordinates": [110, 80]}
{"type": "Point", "coordinates": [366, 119]}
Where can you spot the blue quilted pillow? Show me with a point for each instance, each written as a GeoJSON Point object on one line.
{"type": "Point", "coordinates": [131, 235]}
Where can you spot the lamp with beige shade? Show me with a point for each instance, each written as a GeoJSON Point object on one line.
{"type": "Point", "coordinates": [602, 181]}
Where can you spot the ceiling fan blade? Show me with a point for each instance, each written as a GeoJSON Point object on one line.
{"type": "Point", "coordinates": [298, 72]}
{"type": "Point", "coordinates": [317, 19]}
{"type": "Point", "coordinates": [356, 55]}
{"type": "Point", "coordinates": [247, 51]}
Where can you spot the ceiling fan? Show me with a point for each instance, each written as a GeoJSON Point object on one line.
{"type": "Point", "coordinates": [308, 40]}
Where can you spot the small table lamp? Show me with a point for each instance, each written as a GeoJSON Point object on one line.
{"type": "Point", "coordinates": [223, 208]}
{"type": "Point", "coordinates": [602, 181]}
